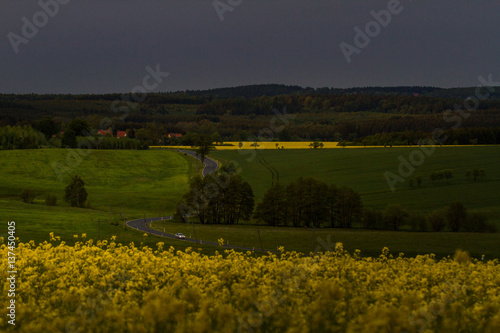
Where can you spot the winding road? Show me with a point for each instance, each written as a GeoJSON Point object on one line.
{"type": "Point", "coordinates": [210, 165]}
{"type": "Point", "coordinates": [142, 225]}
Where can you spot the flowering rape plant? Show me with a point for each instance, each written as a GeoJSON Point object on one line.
{"type": "Point", "coordinates": [105, 286]}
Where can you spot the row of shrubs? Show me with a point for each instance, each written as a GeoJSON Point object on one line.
{"type": "Point", "coordinates": [453, 218]}
{"type": "Point", "coordinates": [472, 174]}
{"type": "Point", "coordinates": [28, 196]}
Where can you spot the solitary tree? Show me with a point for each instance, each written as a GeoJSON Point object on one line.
{"type": "Point", "coordinates": [316, 144]}
{"type": "Point", "coordinates": [203, 146]}
{"type": "Point", "coordinates": [419, 180]}
{"type": "Point", "coordinates": [448, 174]}
{"type": "Point", "coordinates": [217, 138]}
{"type": "Point", "coordinates": [75, 192]}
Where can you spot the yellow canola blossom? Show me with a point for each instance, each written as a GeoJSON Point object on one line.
{"type": "Point", "coordinates": [108, 287]}
{"type": "Point", "coordinates": [234, 145]}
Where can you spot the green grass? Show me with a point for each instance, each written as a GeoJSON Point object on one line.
{"type": "Point", "coordinates": [120, 184]}
{"type": "Point", "coordinates": [363, 170]}
{"type": "Point", "coordinates": [369, 242]}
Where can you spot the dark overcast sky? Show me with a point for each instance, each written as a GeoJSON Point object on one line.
{"type": "Point", "coordinates": [104, 46]}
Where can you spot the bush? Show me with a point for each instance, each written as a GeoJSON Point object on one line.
{"type": "Point", "coordinates": [51, 199]}
{"type": "Point", "coordinates": [437, 220]}
{"type": "Point", "coordinates": [28, 196]}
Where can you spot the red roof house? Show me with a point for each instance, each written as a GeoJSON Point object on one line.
{"type": "Point", "coordinates": [121, 134]}
{"type": "Point", "coordinates": [105, 132]}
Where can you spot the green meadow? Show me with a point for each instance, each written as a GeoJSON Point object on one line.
{"type": "Point", "coordinates": [121, 185]}
{"type": "Point", "coordinates": [363, 170]}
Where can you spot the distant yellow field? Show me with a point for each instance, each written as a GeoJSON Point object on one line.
{"type": "Point", "coordinates": [281, 145]}
{"type": "Point", "coordinates": [261, 145]}
{"type": "Point", "coordinates": [274, 145]}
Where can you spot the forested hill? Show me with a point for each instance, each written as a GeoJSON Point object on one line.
{"type": "Point", "coordinates": [269, 90]}
{"type": "Point", "coordinates": [258, 90]}
{"type": "Point", "coordinates": [369, 114]}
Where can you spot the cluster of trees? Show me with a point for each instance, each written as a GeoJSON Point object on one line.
{"type": "Point", "coordinates": [309, 202]}
{"type": "Point", "coordinates": [21, 137]}
{"type": "Point", "coordinates": [441, 174]}
{"type": "Point", "coordinates": [222, 197]}
{"type": "Point", "coordinates": [475, 174]}
{"type": "Point", "coordinates": [453, 218]}
{"type": "Point", "coordinates": [446, 174]}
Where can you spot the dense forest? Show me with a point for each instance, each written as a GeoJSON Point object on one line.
{"type": "Point", "coordinates": [361, 116]}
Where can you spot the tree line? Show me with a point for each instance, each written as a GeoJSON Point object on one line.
{"type": "Point", "coordinates": [77, 135]}
{"type": "Point", "coordinates": [393, 116]}
{"type": "Point", "coordinates": [225, 198]}
{"type": "Point", "coordinates": [309, 202]}
{"type": "Point", "coordinates": [454, 217]}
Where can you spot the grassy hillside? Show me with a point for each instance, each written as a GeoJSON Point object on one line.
{"type": "Point", "coordinates": [120, 184]}
{"type": "Point", "coordinates": [363, 170]}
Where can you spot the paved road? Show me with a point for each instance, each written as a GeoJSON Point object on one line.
{"type": "Point", "coordinates": [210, 164]}
{"type": "Point", "coordinates": [143, 224]}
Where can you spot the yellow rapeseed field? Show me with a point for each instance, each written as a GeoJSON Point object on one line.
{"type": "Point", "coordinates": [283, 145]}
{"type": "Point", "coordinates": [110, 287]}
{"type": "Point", "coordinates": [261, 145]}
